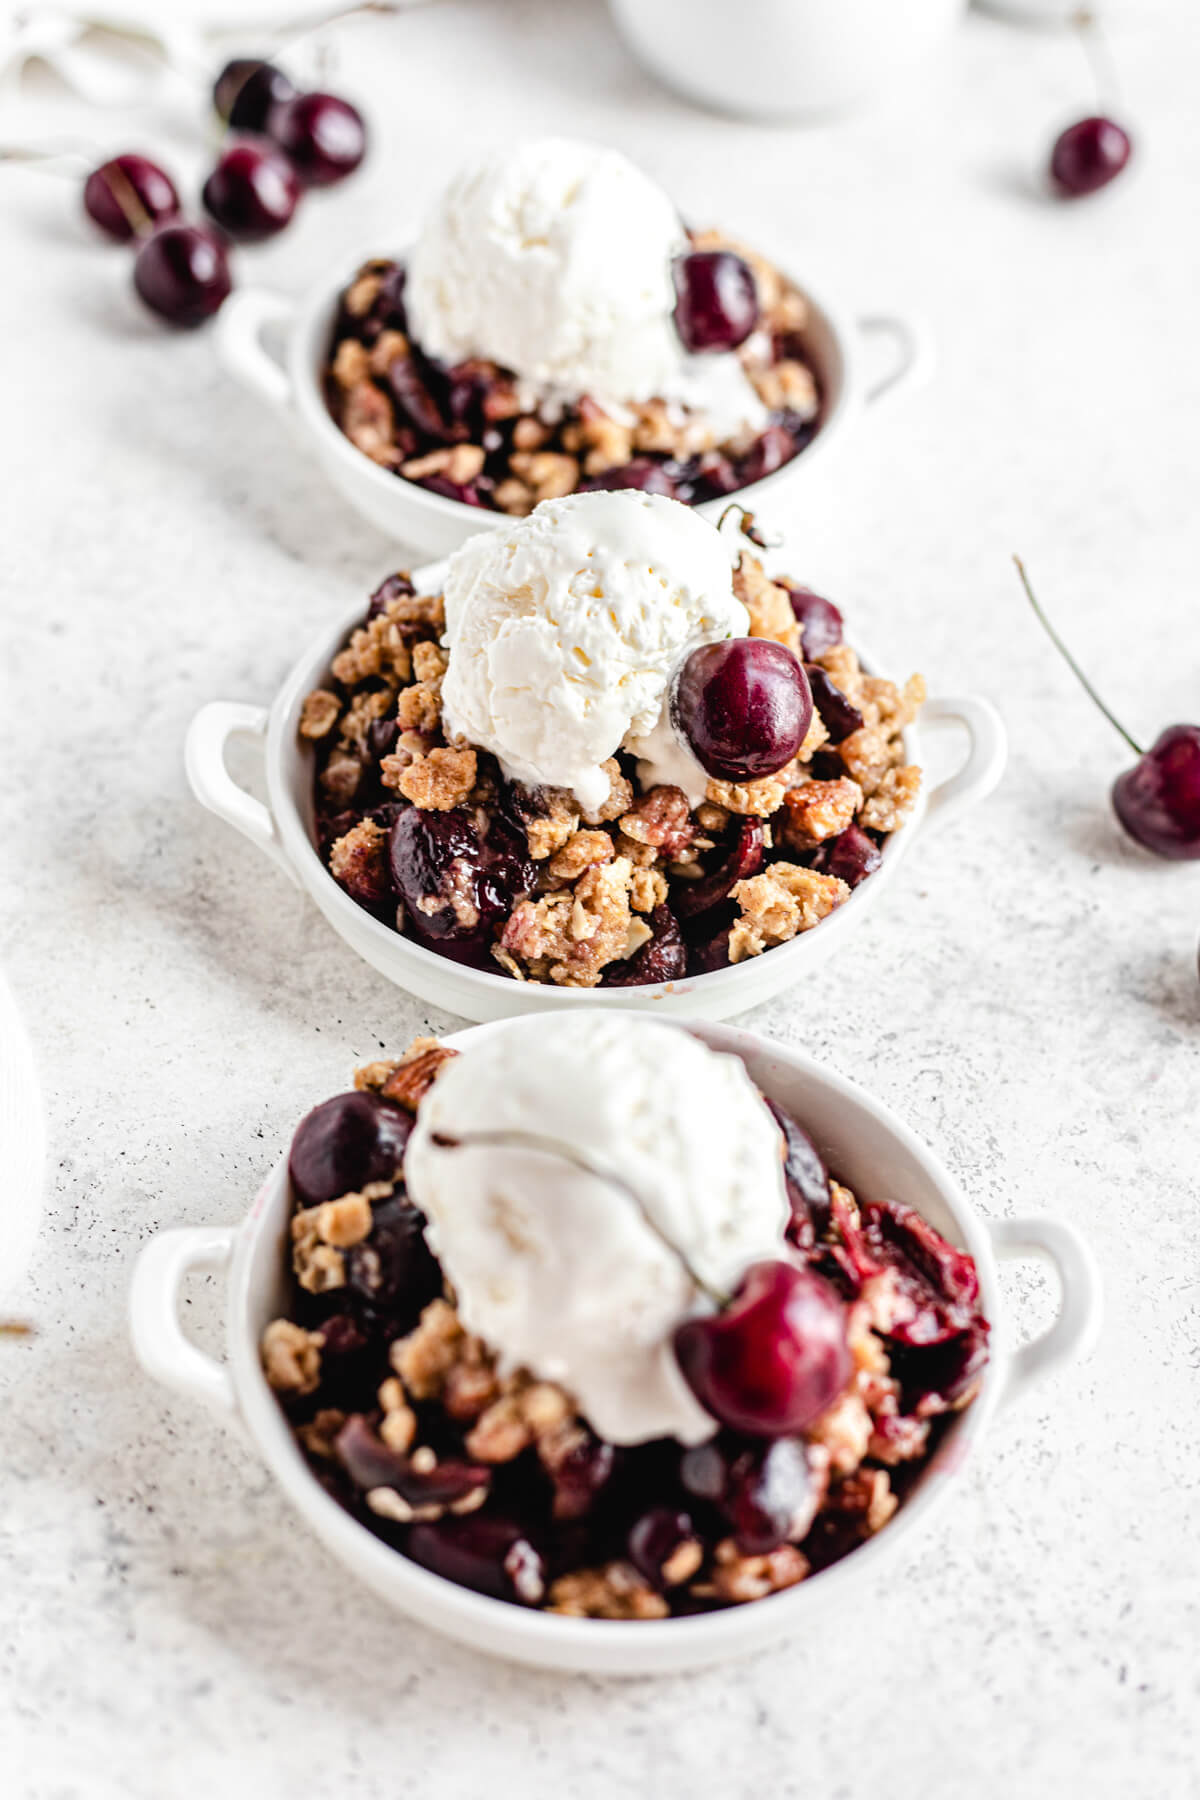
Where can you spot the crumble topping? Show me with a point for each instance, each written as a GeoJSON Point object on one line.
{"type": "Point", "coordinates": [614, 1591]}
{"type": "Point", "coordinates": [291, 1357]}
{"type": "Point", "coordinates": [439, 780]}
{"type": "Point", "coordinates": [572, 936]}
{"type": "Point", "coordinates": [737, 1578]}
{"type": "Point", "coordinates": [768, 604]}
{"type": "Point", "coordinates": [319, 714]}
{"type": "Point", "coordinates": [893, 800]}
{"type": "Point", "coordinates": [817, 810]}
{"type": "Point", "coordinates": [407, 1080]}
{"type": "Point", "coordinates": [779, 904]}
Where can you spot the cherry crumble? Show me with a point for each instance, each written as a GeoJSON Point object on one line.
{"type": "Point", "coordinates": [497, 1483]}
{"type": "Point", "coordinates": [429, 837]}
{"type": "Point", "coordinates": [461, 432]}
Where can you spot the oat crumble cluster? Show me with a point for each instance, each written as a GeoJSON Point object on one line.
{"type": "Point", "coordinates": [429, 836]}
{"type": "Point", "coordinates": [461, 432]}
{"type": "Point", "coordinates": [495, 1481]}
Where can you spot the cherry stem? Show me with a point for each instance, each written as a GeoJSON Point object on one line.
{"type": "Point", "coordinates": [1070, 660]}
{"type": "Point", "coordinates": [1095, 48]}
{"type": "Point", "coordinates": [570, 1153]}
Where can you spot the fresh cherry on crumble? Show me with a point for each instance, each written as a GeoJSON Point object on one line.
{"type": "Point", "coordinates": [1158, 800]}
{"type": "Point", "coordinates": [1088, 155]}
{"type": "Point", "coordinates": [246, 90]}
{"type": "Point", "coordinates": [774, 1358]}
{"type": "Point", "coordinates": [716, 304]}
{"type": "Point", "coordinates": [344, 1143]}
{"type": "Point", "coordinates": [182, 273]}
{"type": "Point", "coordinates": [744, 706]}
{"type": "Point", "coordinates": [128, 195]}
{"type": "Point", "coordinates": [253, 191]}
{"type": "Point", "coordinates": [325, 137]}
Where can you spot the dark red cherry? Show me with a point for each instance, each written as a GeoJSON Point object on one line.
{"type": "Point", "coordinates": [716, 306]}
{"type": "Point", "coordinates": [662, 958]}
{"type": "Point", "coordinates": [744, 706]}
{"type": "Point", "coordinates": [1087, 156]}
{"type": "Point", "coordinates": [839, 715]}
{"type": "Point", "coordinates": [819, 620]}
{"type": "Point", "coordinates": [371, 1464]}
{"type": "Point", "coordinates": [654, 1538]}
{"type": "Point", "coordinates": [127, 197]}
{"type": "Point", "coordinates": [392, 1271]}
{"type": "Point", "coordinates": [692, 899]}
{"type": "Point", "coordinates": [182, 274]}
{"type": "Point", "coordinates": [770, 1496]}
{"type": "Point", "coordinates": [253, 191]}
{"type": "Point", "coordinates": [775, 1358]}
{"type": "Point", "coordinates": [1158, 800]}
{"type": "Point", "coordinates": [489, 1554]}
{"type": "Point", "coordinates": [343, 1143]}
{"type": "Point", "coordinates": [246, 90]}
{"type": "Point", "coordinates": [807, 1180]}
{"type": "Point", "coordinates": [457, 879]}
{"type": "Point", "coordinates": [324, 136]}
{"type": "Point", "coordinates": [851, 856]}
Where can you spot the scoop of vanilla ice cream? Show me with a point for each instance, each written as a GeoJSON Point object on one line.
{"type": "Point", "coordinates": [553, 259]}
{"type": "Point", "coordinates": [565, 628]}
{"type": "Point", "coordinates": [578, 1278]}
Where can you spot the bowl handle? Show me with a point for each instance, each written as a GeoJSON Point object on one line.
{"type": "Point", "coordinates": [914, 355]}
{"type": "Point", "coordinates": [240, 325]}
{"type": "Point", "coordinates": [985, 760]}
{"type": "Point", "coordinates": [1080, 1300]}
{"type": "Point", "coordinates": [158, 1340]}
{"type": "Point", "coordinates": [215, 788]}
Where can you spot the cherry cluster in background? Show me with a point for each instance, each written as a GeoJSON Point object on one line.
{"type": "Point", "coordinates": [281, 142]}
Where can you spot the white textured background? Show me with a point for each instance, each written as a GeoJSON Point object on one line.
{"type": "Point", "coordinates": [1028, 997]}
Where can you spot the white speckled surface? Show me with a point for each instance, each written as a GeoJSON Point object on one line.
{"type": "Point", "coordinates": [1029, 997]}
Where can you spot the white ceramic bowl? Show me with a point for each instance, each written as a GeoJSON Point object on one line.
{"type": "Point", "coordinates": [783, 59]}
{"type": "Point", "coordinates": [284, 830]}
{"type": "Point", "coordinates": [869, 1148]}
{"type": "Point", "coordinates": [434, 525]}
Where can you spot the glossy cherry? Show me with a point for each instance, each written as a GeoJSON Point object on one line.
{"type": "Point", "coordinates": [851, 856]}
{"type": "Point", "coordinates": [716, 305]}
{"type": "Point", "coordinates": [1158, 800]}
{"type": "Point", "coordinates": [1088, 155]}
{"type": "Point", "coordinates": [343, 1143]}
{"type": "Point", "coordinates": [253, 191]}
{"type": "Point", "coordinates": [128, 196]}
{"type": "Point", "coordinates": [819, 620]}
{"type": "Point", "coordinates": [774, 1358]}
{"type": "Point", "coordinates": [324, 136]}
{"type": "Point", "coordinates": [246, 90]}
{"type": "Point", "coordinates": [744, 706]}
{"type": "Point", "coordinates": [182, 274]}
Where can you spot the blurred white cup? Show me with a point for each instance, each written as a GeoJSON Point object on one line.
{"type": "Point", "coordinates": [783, 58]}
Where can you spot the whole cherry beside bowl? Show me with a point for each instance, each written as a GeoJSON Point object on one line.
{"type": "Point", "coordinates": [182, 273]}
{"type": "Point", "coordinates": [253, 191]}
{"type": "Point", "coordinates": [128, 196]}
{"type": "Point", "coordinates": [246, 90]}
{"type": "Point", "coordinates": [1158, 800]}
{"type": "Point", "coordinates": [323, 135]}
{"type": "Point", "coordinates": [1088, 155]}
